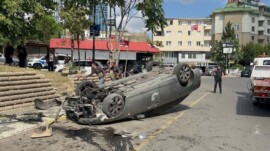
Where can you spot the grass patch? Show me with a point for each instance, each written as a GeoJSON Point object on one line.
{"type": "Point", "coordinates": [62, 83]}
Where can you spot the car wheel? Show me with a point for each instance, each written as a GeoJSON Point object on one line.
{"type": "Point", "coordinates": [184, 73]}
{"type": "Point", "coordinates": [37, 66]}
{"type": "Point", "coordinates": [113, 105]}
{"type": "Point", "coordinates": [85, 88]}
{"type": "Point", "coordinates": [149, 66]}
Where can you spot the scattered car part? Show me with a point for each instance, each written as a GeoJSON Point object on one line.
{"type": "Point", "coordinates": [48, 130]}
{"type": "Point", "coordinates": [155, 91]}
{"type": "Point", "coordinates": [41, 105]}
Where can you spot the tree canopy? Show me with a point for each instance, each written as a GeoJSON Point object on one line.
{"type": "Point", "coordinates": [21, 20]}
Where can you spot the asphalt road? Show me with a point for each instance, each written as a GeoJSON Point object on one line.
{"type": "Point", "coordinates": [205, 121]}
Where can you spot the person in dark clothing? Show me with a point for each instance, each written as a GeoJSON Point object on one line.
{"type": "Point", "coordinates": [136, 68]}
{"type": "Point", "coordinates": [50, 58]}
{"type": "Point", "coordinates": [22, 55]}
{"type": "Point", "coordinates": [115, 71]}
{"type": "Point", "coordinates": [218, 75]}
{"type": "Point", "coordinates": [99, 72]}
{"type": "Point", "coordinates": [8, 52]}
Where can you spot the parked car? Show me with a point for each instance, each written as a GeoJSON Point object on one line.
{"type": "Point", "coordinates": [3, 60]}
{"type": "Point", "coordinates": [84, 64]}
{"type": "Point", "coordinates": [41, 63]}
{"type": "Point", "coordinates": [209, 70]}
{"type": "Point", "coordinates": [150, 93]}
{"type": "Point", "coordinates": [246, 72]}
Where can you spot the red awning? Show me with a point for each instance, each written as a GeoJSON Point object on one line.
{"type": "Point", "coordinates": [140, 47]}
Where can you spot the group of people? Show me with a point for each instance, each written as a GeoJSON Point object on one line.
{"type": "Point", "coordinates": [113, 71]}
{"type": "Point", "coordinates": [20, 51]}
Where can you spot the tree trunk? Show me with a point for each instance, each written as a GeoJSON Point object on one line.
{"type": "Point", "coordinates": [72, 48]}
{"type": "Point", "coordinates": [79, 54]}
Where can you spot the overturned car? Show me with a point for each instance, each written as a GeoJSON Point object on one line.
{"type": "Point", "coordinates": [150, 93]}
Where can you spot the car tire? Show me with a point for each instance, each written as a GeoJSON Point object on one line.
{"type": "Point", "coordinates": [149, 66]}
{"type": "Point", "coordinates": [113, 105]}
{"type": "Point", "coordinates": [37, 66]}
{"type": "Point", "coordinates": [183, 73]}
{"type": "Point", "coordinates": [84, 88]}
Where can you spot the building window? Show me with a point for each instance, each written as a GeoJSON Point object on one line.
{"type": "Point", "coordinates": [168, 33]}
{"type": "Point", "coordinates": [268, 31]}
{"type": "Point", "coordinates": [189, 33]}
{"type": "Point", "coordinates": [168, 43]}
{"type": "Point", "coordinates": [183, 55]}
{"type": "Point", "coordinates": [198, 43]}
{"type": "Point", "coordinates": [199, 56]}
{"type": "Point", "coordinates": [189, 43]}
{"type": "Point", "coordinates": [179, 22]}
{"type": "Point", "coordinates": [194, 56]}
{"type": "Point", "coordinates": [159, 33]}
{"type": "Point", "coordinates": [268, 39]}
{"type": "Point", "coordinates": [253, 38]}
{"type": "Point", "coordinates": [180, 33]}
{"type": "Point", "coordinates": [189, 22]}
{"type": "Point", "coordinates": [190, 56]}
{"type": "Point", "coordinates": [170, 22]}
{"type": "Point", "coordinates": [236, 27]}
{"type": "Point", "coordinates": [253, 29]}
{"type": "Point", "coordinates": [268, 22]}
{"type": "Point", "coordinates": [236, 36]}
{"type": "Point", "coordinates": [179, 43]}
{"type": "Point", "coordinates": [198, 22]}
{"type": "Point", "coordinates": [253, 20]}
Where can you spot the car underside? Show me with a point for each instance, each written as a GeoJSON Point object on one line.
{"type": "Point", "coordinates": [150, 93]}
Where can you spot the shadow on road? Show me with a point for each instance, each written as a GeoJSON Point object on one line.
{"type": "Point", "coordinates": [245, 106]}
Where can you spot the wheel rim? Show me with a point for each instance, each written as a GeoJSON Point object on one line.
{"type": "Point", "coordinates": [116, 106]}
{"type": "Point", "coordinates": [185, 74]}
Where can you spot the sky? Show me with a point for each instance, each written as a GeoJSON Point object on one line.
{"type": "Point", "coordinates": [184, 9]}
{"type": "Point", "coordinates": [194, 8]}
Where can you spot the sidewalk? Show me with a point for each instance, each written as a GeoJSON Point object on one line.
{"type": "Point", "coordinates": [11, 127]}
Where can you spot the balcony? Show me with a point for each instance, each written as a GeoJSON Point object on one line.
{"type": "Point", "coordinates": [207, 38]}
{"type": "Point", "coordinates": [261, 37]}
{"type": "Point", "coordinates": [261, 18]}
{"type": "Point", "coordinates": [261, 28]}
{"type": "Point", "coordinates": [207, 27]}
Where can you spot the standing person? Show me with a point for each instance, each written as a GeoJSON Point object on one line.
{"type": "Point", "coordinates": [22, 55]}
{"type": "Point", "coordinates": [50, 58]}
{"type": "Point", "coordinates": [8, 52]}
{"type": "Point", "coordinates": [218, 75]}
{"type": "Point", "coordinates": [116, 71]}
{"type": "Point", "coordinates": [99, 72]}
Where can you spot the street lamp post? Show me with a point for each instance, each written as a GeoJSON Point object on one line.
{"type": "Point", "coordinates": [227, 48]}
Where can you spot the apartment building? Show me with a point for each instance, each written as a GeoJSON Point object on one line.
{"type": "Point", "coordinates": [185, 40]}
{"type": "Point", "coordinates": [250, 19]}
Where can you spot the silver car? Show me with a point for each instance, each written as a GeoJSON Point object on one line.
{"type": "Point", "coordinates": [150, 93]}
{"type": "Point", "coordinates": [3, 60]}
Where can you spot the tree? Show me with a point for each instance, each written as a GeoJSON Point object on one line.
{"type": "Point", "coordinates": [46, 28]}
{"type": "Point", "coordinates": [19, 17]}
{"type": "Point", "coordinates": [151, 10]}
{"type": "Point", "coordinates": [228, 36]}
{"type": "Point", "coordinates": [75, 20]}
